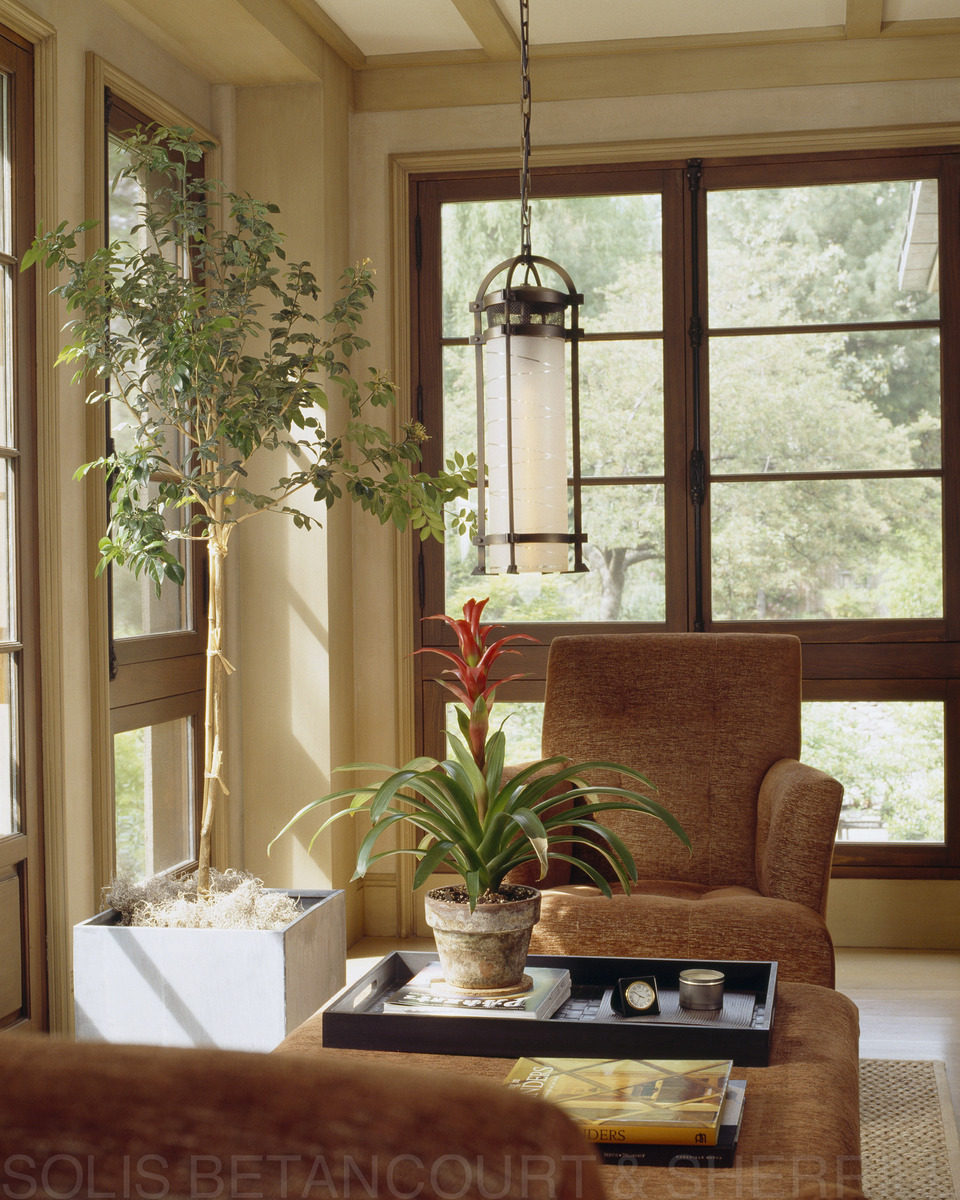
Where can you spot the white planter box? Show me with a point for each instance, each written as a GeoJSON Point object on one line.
{"type": "Point", "coordinates": [241, 989]}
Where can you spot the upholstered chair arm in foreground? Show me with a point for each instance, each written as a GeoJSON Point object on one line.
{"type": "Point", "coordinates": [118, 1121]}
{"type": "Point", "coordinates": [797, 815]}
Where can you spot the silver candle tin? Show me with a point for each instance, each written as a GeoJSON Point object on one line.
{"type": "Point", "coordinates": [701, 988]}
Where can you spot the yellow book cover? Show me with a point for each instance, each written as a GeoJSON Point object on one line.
{"type": "Point", "coordinates": [651, 1101]}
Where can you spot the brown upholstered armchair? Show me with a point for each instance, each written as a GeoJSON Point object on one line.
{"type": "Point", "coordinates": [713, 720]}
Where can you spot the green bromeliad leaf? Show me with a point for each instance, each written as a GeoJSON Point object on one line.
{"type": "Point", "coordinates": [545, 812]}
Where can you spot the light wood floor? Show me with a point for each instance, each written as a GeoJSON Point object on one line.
{"type": "Point", "coordinates": [909, 1003]}
{"type": "Point", "coordinates": [909, 1000]}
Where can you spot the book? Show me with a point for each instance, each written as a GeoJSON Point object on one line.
{"type": "Point", "coordinates": [722, 1154]}
{"type": "Point", "coordinates": [426, 994]}
{"type": "Point", "coordinates": [632, 1101]}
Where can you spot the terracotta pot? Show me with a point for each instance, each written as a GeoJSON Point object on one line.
{"type": "Point", "coordinates": [486, 949]}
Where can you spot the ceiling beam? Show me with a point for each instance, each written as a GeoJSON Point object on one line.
{"type": "Point", "coordinates": [704, 69]}
{"type": "Point", "coordinates": [490, 27]}
{"type": "Point", "coordinates": [267, 43]}
{"type": "Point", "coordinates": [864, 18]}
{"type": "Point", "coordinates": [310, 12]}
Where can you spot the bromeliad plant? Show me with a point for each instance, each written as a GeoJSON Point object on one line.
{"type": "Point", "coordinates": [471, 814]}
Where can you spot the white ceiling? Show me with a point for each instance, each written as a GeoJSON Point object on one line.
{"type": "Point", "coordinates": [399, 27]}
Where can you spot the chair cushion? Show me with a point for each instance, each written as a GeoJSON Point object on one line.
{"type": "Point", "coordinates": [669, 919]}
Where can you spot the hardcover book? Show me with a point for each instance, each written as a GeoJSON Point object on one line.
{"type": "Point", "coordinates": [722, 1154]}
{"type": "Point", "coordinates": [624, 1101]}
{"type": "Point", "coordinates": [426, 993]}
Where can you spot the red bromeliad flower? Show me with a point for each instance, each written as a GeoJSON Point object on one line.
{"type": "Point", "coordinates": [471, 667]}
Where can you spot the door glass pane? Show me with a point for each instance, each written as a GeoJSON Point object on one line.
{"type": "Point", "coordinates": [521, 721]}
{"type": "Point", "coordinates": [8, 566]}
{"type": "Point", "coordinates": [6, 165]}
{"type": "Point", "coordinates": [138, 610]}
{"type": "Point", "coordinates": [625, 554]}
{"type": "Point", "coordinates": [610, 246]}
{"type": "Point", "coordinates": [10, 820]}
{"type": "Point", "coordinates": [825, 402]}
{"type": "Point", "coordinates": [125, 194]}
{"type": "Point", "coordinates": [823, 255]}
{"type": "Point", "coordinates": [815, 549]}
{"type": "Point", "coordinates": [459, 400]}
{"type": "Point", "coordinates": [7, 398]}
{"type": "Point", "coordinates": [889, 758]}
{"type": "Point", "coordinates": [621, 408]}
{"type": "Point", "coordinates": [154, 797]}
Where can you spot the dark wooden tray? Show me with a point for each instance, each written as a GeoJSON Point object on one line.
{"type": "Point", "coordinates": [356, 1019]}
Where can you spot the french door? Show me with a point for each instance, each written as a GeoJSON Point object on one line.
{"type": "Point", "coordinates": [770, 422]}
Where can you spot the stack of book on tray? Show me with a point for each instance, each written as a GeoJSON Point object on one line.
{"type": "Point", "coordinates": [427, 994]}
{"type": "Point", "coordinates": [644, 1112]}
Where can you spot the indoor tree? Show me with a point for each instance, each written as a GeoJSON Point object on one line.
{"type": "Point", "coordinates": [219, 351]}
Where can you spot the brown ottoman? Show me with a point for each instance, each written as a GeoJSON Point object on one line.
{"type": "Point", "coordinates": [801, 1124]}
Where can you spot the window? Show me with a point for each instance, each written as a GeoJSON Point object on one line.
{"type": "Point", "coordinates": [22, 973]}
{"type": "Point", "coordinates": [156, 646]}
{"type": "Point", "coordinates": [769, 431]}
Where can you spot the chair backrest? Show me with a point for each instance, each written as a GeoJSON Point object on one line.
{"type": "Point", "coordinates": [702, 715]}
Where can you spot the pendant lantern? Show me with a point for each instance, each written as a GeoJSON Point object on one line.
{"type": "Point", "coordinates": [522, 328]}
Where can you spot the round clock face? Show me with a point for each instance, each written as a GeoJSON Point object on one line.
{"type": "Point", "coordinates": [639, 995]}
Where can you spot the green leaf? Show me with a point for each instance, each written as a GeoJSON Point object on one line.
{"type": "Point", "coordinates": [366, 846]}
{"type": "Point", "coordinates": [468, 765]}
{"type": "Point", "coordinates": [531, 825]}
{"type": "Point", "coordinates": [430, 861]}
{"type": "Point", "coordinates": [495, 755]}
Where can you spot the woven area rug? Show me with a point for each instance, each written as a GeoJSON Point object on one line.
{"type": "Point", "coordinates": [908, 1131]}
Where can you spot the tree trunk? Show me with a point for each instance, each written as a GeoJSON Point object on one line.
{"type": "Point", "coordinates": [217, 666]}
{"type": "Point", "coordinates": [611, 565]}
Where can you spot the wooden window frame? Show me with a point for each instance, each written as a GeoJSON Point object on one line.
{"type": "Point", "coordinates": [22, 852]}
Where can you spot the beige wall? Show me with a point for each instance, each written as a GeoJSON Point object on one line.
{"type": "Point", "coordinates": [861, 912]}
{"type": "Point", "coordinates": [920, 914]}
{"type": "Point", "coordinates": [294, 603]}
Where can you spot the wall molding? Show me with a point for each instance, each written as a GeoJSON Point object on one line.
{"type": "Point", "coordinates": [605, 70]}
{"type": "Point", "coordinates": [811, 141]}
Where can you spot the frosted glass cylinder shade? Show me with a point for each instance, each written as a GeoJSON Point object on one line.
{"type": "Point", "coordinates": [539, 450]}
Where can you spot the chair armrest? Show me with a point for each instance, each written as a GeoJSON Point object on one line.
{"type": "Point", "coordinates": [797, 816]}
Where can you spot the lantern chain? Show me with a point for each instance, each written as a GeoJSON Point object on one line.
{"type": "Point", "coordinates": [525, 108]}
